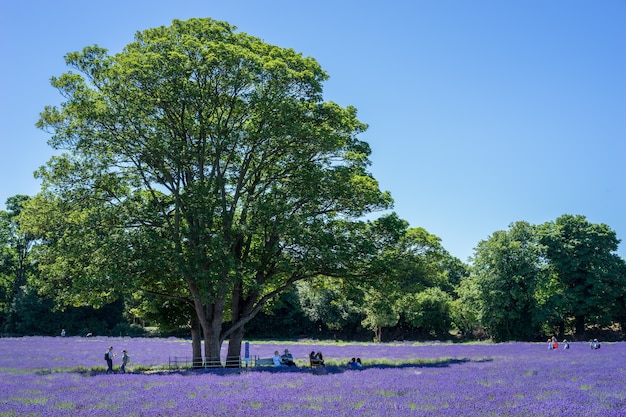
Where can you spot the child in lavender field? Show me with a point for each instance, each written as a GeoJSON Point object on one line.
{"type": "Point", "coordinates": [125, 359]}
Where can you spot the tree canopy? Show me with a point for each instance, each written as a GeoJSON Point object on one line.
{"type": "Point", "coordinates": [201, 164]}
{"type": "Point", "coordinates": [558, 277]}
{"type": "Point", "coordinates": [586, 274]}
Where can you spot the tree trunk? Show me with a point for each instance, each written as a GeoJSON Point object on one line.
{"type": "Point", "coordinates": [212, 326]}
{"type": "Point", "coordinates": [240, 308]}
{"type": "Point", "coordinates": [234, 348]}
{"type": "Point", "coordinates": [196, 343]}
{"type": "Point", "coordinates": [580, 325]}
{"type": "Point", "coordinates": [559, 329]}
{"type": "Point", "coordinates": [210, 318]}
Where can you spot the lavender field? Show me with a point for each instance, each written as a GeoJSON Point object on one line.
{"type": "Point", "coordinates": [42, 376]}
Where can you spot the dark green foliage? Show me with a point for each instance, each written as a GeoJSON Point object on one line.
{"type": "Point", "coordinates": [534, 281]}
{"type": "Point", "coordinates": [586, 280]}
{"type": "Point", "coordinates": [16, 267]}
{"type": "Point", "coordinates": [330, 305]}
{"type": "Point", "coordinates": [508, 269]}
{"type": "Point", "coordinates": [283, 319]}
{"type": "Point", "coordinates": [30, 314]}
{"type": "Point", "coordinates": [429, 311]}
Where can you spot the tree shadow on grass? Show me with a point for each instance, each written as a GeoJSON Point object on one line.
{"type": "Point", "coordinates": [337, 369]}
{"type": "Point", "coordinates": [322, 370]}
{"type": "Point", "coordinates": [443, 363]}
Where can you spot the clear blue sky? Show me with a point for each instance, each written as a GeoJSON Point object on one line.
{"type": "Point", "coordinates": [481, 113]}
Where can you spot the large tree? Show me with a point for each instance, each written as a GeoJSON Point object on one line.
{"type": "Point", "coordinates": [587, 275]}
{"type": "Point", "coordinates": [407, 262]}
{"type": "Point", "coordinates": [201, 164]}
{"type": "Point", "coordinates": [508, 268]}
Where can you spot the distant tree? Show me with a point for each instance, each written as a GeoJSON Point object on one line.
{"type": "Point", "coordinates": [507, 268]}
{"type": "Point", "coordinates": [379, 312]}
{"type": "Point", "coordinates": [467, 306]}
{"type": "Point", "coordinates": [587, 279]}
{"type": "Point", "coordinates": [283, 317]}
{"type": "Point", "coordinates": [330, 303]}
{"type": "Point", "coordinates": [32, 314]}
{"type": "Point", "coordinates": [430, 311]}
{"type": "Point", "coordinates": [15, 248]}
{"type": "Point", "coordinates": [211, 156]}
{"type": "Point", "coordinates": [619, 310]}
{"type": "Point", "coordinates": [407, 262]}
{"type": "Point", "coordinates": [620, 313]}
{"type": "Point", "coordinates": [455, 270]}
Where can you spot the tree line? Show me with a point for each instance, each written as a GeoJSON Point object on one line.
{"type": "Point", "coordinates": [525, 283]}
{"type": "Point", "coordinates": [202, 179]}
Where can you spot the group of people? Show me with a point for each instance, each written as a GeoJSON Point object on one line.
{"type": "Point", "coordinates": [286, 359]}
{"type": "Point", "coordinates": [554, 344]}
{"type": "Point", "coordinates": [108, 357]}
{"type": "Point", "coordinates": [316, 358]}
{"type": "Point", "coordinates": [355, 363]}
{"type": "Point", "coordinates": [594, 344]}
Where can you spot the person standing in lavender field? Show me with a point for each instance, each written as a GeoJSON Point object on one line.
{"type": "Point", "coordinates": [108, 356]}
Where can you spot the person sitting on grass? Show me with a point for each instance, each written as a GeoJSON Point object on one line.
{"type": "Point", "coordinates": [277, 359]}
{"type": "Point", "coordinates": [355, 363]}
{"type": "Point", "coordinates": [287, 358]}
{"type": "Point", "coordinates": [316, 358]}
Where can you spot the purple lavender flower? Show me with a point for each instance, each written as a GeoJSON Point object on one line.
{"type": "Point", "coordinates": [38, 377]}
